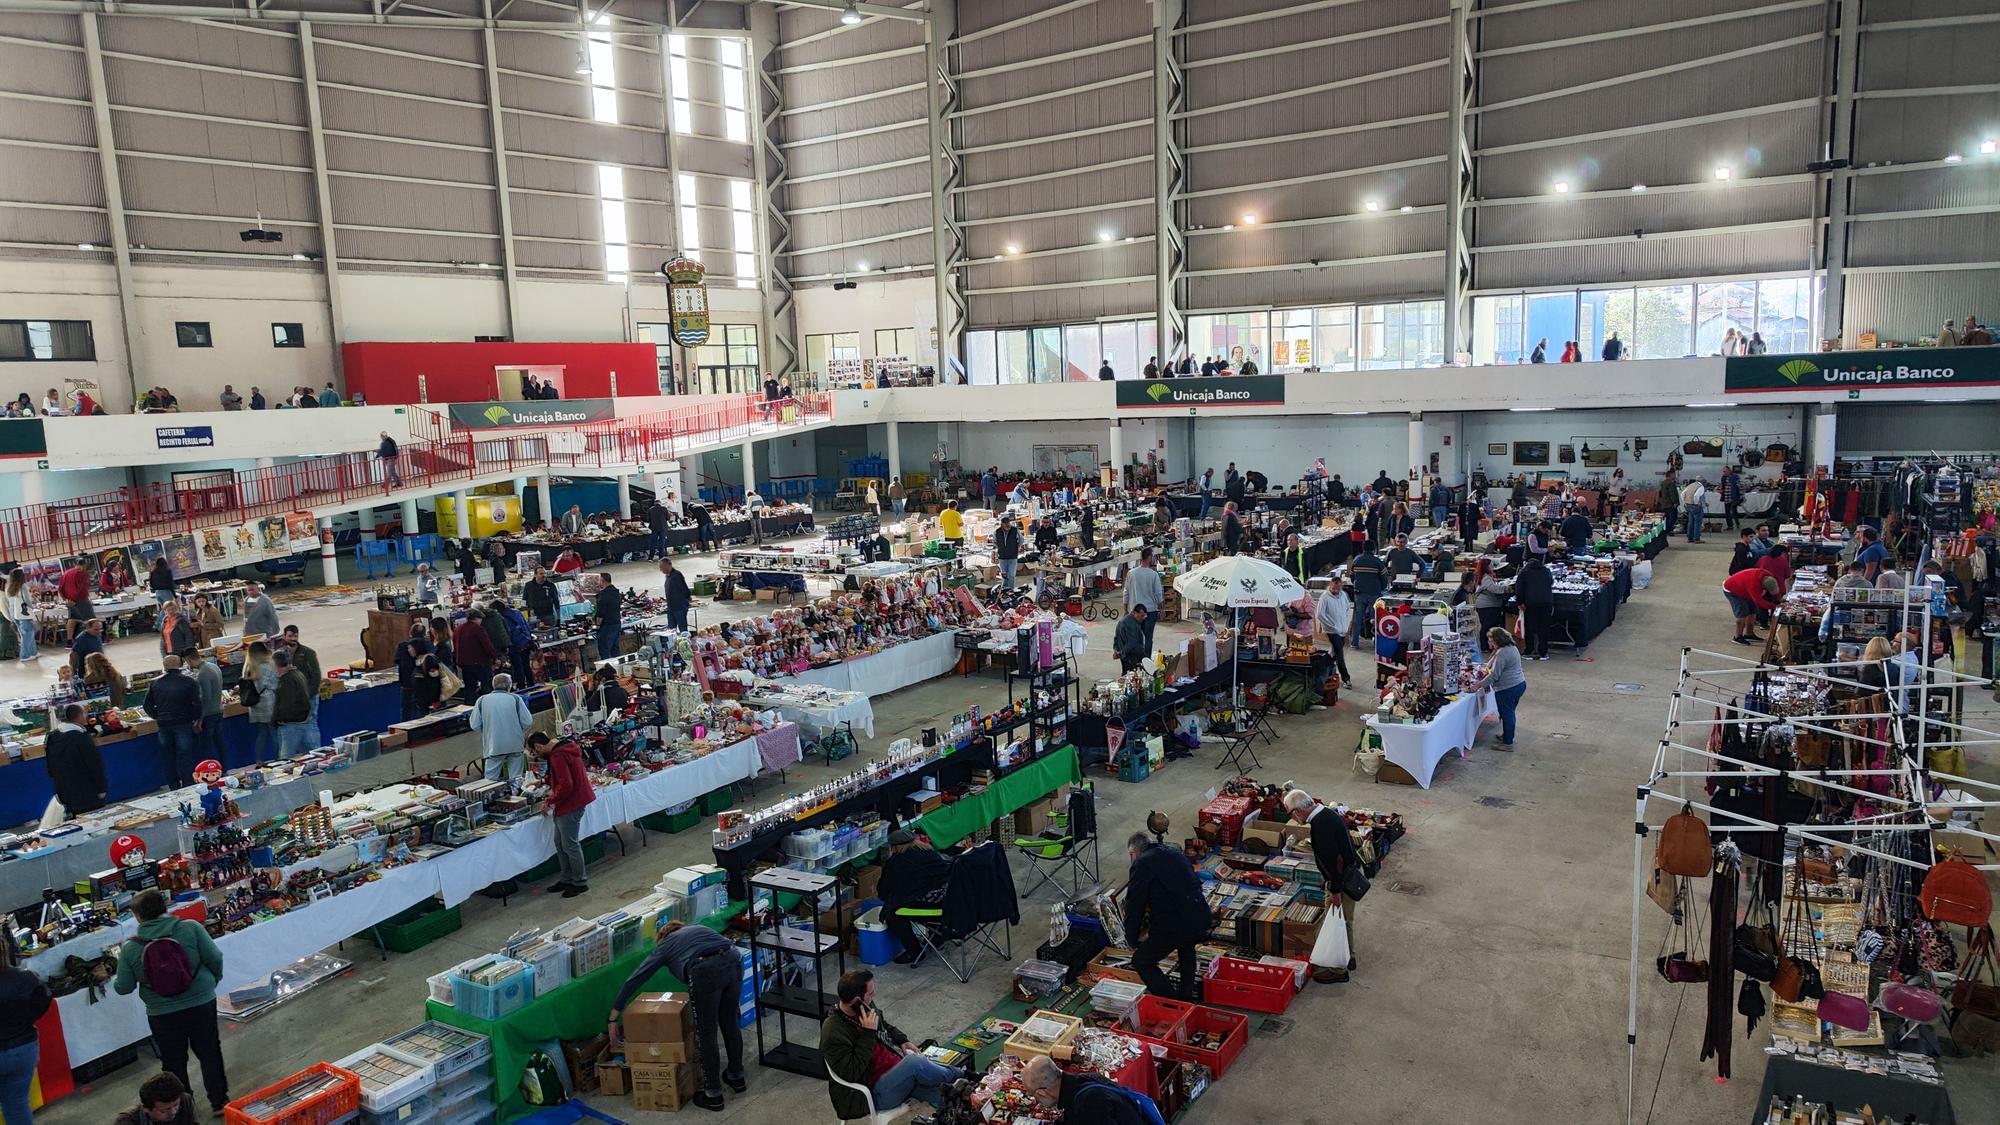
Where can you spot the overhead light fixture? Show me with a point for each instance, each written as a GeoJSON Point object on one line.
{"type": "Point", "coordinates": [1105, 236]}
{"type": "Point", "coordinates": [85, 246]}
{"type": "Point", "coordinates": [846, 285]}
{"type": "Point", "coordinates": [1722, 172]}
{"type": "Point", "coordinates": [862, 266]}
{"type": "Point", "coordinates": [1131, 238]}
{"type": "Point", "coordinates": [1351, 413]}
{"type": "Point", "coordinates": [851, 15]}
{"type": "Point", "coordinates": [998, 257]}
{"type": "Point", "coordinates": [1954, 158]}
{"type": "Point", "coordinates": [1988, 147]}
{"type": "Point", "coordinates": [1372, 205]}
{"type": "Point", "coordinates": [298, 257]}
{"type": "Point", "coordinates": [1229, 226]}
{"type": "Point", "coordinates": [259, 234]}
{"type": "Point", "coordinates": [1638, 187]}
{"type": "Point", "coordinates": [1710, 405]}
{"type": "Point", "coordinates": [1529, 409]}
{"type": "Point", "coordinates": [1407, 208]}
{"type": "Point", "coordinates": [1249, 220]}
{"type": "Point", "coordinates": [1011, 249]}
{"type": "Point", "coordinates": [1560, 187]}
{"type": "Point", "coordinates": [582, 62]}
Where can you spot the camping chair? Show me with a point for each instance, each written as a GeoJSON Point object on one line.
{"type": "Point", "coordinates": [1063, 847]}
{"type": "Point", "coordinates": [875, 1116]}
{"type": "Point", "coordinates": [969, 922]}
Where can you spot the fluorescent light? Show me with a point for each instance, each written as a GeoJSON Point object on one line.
{"type": "Point", "coordinates": [1131, 238]}
{"type": "Point", "coordinates": [1529, 409]}
{"type": "Point", "coordinates": [1407, 208]}
{"type": "Point", "coordinates": [1229, 226]}
{"type": "Point", "coordinates": [852, 14]}
{"type": "Point", "coordinates": [1350, 413]}
{"type": "Point", "coordinates": [1105, 236]}
{"type": "Point", "coordinates": [1638, 187]}
{"type": "Point", "coordinates": [1560, 187]}
{"type": "Point", "coordinates": [861, 267]}
{"type": "Point", "coordinates": [1954, 158]}
{"type": "Point", "coordinates": [1373, 205]}
{"type": "Point", "coordinates": [1989, 146]}
{"type": "Point", "coordinates": [88, 246]}
{"type": "Point", "coordinates": [1013, 249]}
{"type": "Point", "coordinates": [998, 257]}
{"type": "Point", "coordinates": [1249, 220]}
{"type": "Point", "coordinates": [298, 257]}
{"type": "Point", "coordinates": [1722, 171]}
{"type": "Point", "coordinates": [1711, 405]}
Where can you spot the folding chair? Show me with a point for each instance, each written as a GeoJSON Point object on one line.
{"type": "Point", "coordinates": [1260, 720]}
{"type": "Point", "coordinates": [1237, 744]}
{"type": "Point", "coordinates": [1069, 847]}
{"type": "Point", "coordinates": [967, 921]}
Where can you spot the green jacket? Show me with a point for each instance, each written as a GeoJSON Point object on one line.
{"type": "Point", "coordinates": [307, 662]}
{"type": "Point", "coordinates": [849, 1050]}
{"type": "Point", "coordinates": [202, 954]}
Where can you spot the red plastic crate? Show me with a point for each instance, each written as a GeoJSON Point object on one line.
{"type": "Point", "coordinates": [1234, 1030]}
{"type": "Point", "coordinates": [1159, 1020]}
{"type": "Point", "coordinates": [1228, 815]}
{"type": "Point", "coordinates": [324, 1109]}
{"type": "Point", "coordinates": [1236, 983]}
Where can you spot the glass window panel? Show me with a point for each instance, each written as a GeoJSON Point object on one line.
{"type": "Point", "coordinates": [1496, 329]}
{"type": "Point", "coordinates": [1720, 308]}
{"type": "Point", "coordinates": [612, 213]}
{"type": "Point", "coordinates": [1291, 339]}
{"type": "Point", "coordinates": [1423, 334]}
{"type": "Point", "coordinates": [739, 195]}
{"type": "Point", "coordinates": [1665, 326]}
{"type": "Point", "coordinates": [1083, 350]}
{"type": "Point", "coordinates": [982, 366]}
{"type": "Point", "coordinates": [1045, 354]}
{"type": "Point", "coordinates": [1551, 317]}
{"type": "Point", "coordinates": [1241, 337]}
{"type": "Point", "coordinates": [1014, 365]}
{"type": "Point", "coordinates": [1785, 314]}
{"type": "Point", "coordinates": [818, 352]}
{"type": "Point", "coordinates": [604, 105]}
{"type": "Point", "coordinates": [1200, 338]}
{"type": "Point", "coordinates": [1372, 348]}
{"type": "Point", "coordinates": [1334, 338]}
{"type": "Point", "coordinates": [1121, 349]}
{"type": "Point", "coordinates": [683, 117]}
{"type": "Point", "coordinates": [736, 126]}
{"type": "Point", "coordinates": [1600, 312]}
{"type": "Point", "coordinates": [610, 181]}
{"type": "Point", "coordinates": [743, 230]}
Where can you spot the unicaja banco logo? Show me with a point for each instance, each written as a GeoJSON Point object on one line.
{"type": "Point", "coordinates": [1797, 369]}
{"type": "Point", "coordinates": [496, 413]}
{"type": "Point", "coordinates": [1158, 391]}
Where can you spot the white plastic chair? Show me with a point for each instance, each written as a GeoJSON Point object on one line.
{"type": "Point", "coordinates": [875, 1116]}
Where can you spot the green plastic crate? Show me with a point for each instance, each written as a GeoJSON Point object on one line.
{"type": "Point", "coordinates": [670, 822]}
{"type": "Point", "coordinates": [719, 801]}
{"type": "Point", "coordinates": [593, 850]}
{"type": "Point", "coordinates": [415, 928]}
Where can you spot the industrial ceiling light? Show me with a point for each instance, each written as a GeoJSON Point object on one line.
{"type": "Point", "coordinates": [1105, 236]}
{"type": "Point", "coordinates": [1722, 172]}
{"type": "Point", "coordinates": [85, 246]}
{"type": "Point", "coordinates": [852, 14]}
{"type": "Point", "coordinates": [1954, 158]}
{"type": "Point", "coordinates": [1988, 147]}
{"type": "Point", "coordinates": [846, 285]}
{"type": "Point", "coordinates": [1638, 187]}
{"type": "Point", "coordinates": [1560, 187]}
{"type": "Point", "coordinates": [1407, 208]}
{"type": "Point", "coordinates": [259, 234]}
{"type": "Point", "coordinates": [1373, 205]}
{"type": "Point", "coordinates": [1012, 249]}
{"type": "Point", "coordinates": [582, 62]}
{"type": "Point", "coordinates": [862, 266]}
{"type": "Point", "coordinates": [1249, 220]}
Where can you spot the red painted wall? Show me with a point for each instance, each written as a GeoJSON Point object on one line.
{"type": "Point", "coordinates": [386, 373]}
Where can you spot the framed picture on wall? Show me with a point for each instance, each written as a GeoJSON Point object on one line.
{"type": "Point", "coordinates": [1566, 454]}
{"type": "Point", "coordinates": [1600, 458]}
{"type": "Point", "coordinates": [1496, 449]}
{"type": "Point", "coordinates": [1531, 453]}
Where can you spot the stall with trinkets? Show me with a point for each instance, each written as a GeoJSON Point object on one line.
{"type": "Point", "coordinates": [1796, 831]}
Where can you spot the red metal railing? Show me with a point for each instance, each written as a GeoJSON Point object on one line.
{"type": "Point", "coordinates": [126, 515]}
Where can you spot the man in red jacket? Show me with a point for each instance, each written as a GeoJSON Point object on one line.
{"type": "Point", "coordinates": [1748, 592]}
{"type": "Point", "coordinates": [473, 646]}
{"type": "Point", "coordinates": [74, 586]}
{"type": "Point", "coordinates": [570, 792]}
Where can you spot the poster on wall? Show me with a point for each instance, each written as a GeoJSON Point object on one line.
{"type": "Point", "coordinates": [182, 557]}
{"type": "Point", "coordinates": [301, 532]}
{"type": "Point", "coordinates": [1531, 453]}
{"type": "Point", "coordinates": [273, 539]}
{"type": "Point", "coordinates": [117, 561]}
{"type": "Point", "coordinates": [142, 557]}
{"type": "Point", "coordinates": [1070, 460]}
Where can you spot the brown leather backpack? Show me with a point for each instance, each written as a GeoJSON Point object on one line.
{"type": "Point", "coordinates": [1684, 847]}
{"type": "Point", "coordinates": [1955, 893]}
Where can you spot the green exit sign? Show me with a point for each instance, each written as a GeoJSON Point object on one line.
{"type": "Point", "coordinates": [1854, 392]}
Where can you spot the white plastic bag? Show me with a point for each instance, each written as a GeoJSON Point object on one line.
{"type": "Point", "coordinates": [1642, 574]}
{"type": "Point", "coordinates": [54, 815]}
{"type": "Point", "coordinates": [1330, 950]}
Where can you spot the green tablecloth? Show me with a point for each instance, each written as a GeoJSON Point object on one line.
{"type": "Point", "coordinates": [954, 822]}
{"type": "Point", "coordinates": [574, 1011]}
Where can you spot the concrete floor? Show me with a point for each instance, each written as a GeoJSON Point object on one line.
{"type": "Point", "coordinates": [1493, 991]}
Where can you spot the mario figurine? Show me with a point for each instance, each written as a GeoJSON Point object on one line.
{"type": "Point", "coordinates": [128, 851]}
{"type": "Point", "coordinates": [208, 775]}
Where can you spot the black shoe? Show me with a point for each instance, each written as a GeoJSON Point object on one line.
{"type": "Point", "coordinates": [709, 1099]}
{"type": "Point", "coordinates": [906, 958]}
{"type": "Point", "coordinates": [574, 891]}
{"type": "Point", "coordinates": [735, 1082]}
{"type": "Point", "coordinates": [559, 886]}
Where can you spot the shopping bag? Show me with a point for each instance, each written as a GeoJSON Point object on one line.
{"type": "Point", "coordinates": [1330, 950]}
{"type": "Point", "coordinates": [54, 815]}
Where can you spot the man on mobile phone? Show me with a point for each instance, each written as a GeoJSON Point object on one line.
{"type": "Point", "coordinates": [862, 1048]}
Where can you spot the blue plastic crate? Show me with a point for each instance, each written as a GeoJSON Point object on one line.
{"type": "Point", "coordinates": [491, 1001]}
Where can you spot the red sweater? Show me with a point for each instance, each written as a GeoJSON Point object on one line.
{"type": "Point", "coordinates": [1749, 584]}
{"type": "Point", "coordinates": [569, 782]}
{"type": "Point", "coordinates": [74, 585]}
{"type": "Point", "coordinates": [471, 644]}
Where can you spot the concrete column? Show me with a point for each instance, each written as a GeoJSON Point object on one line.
{"type": "Point", "coordinates": [410, 524]}
{"type": "Point", "coordinates": [625, 483]}
{"type": "Point", "coordinates": [1117, 458]}
{"type": "Point", "coordinates": [1417, 458]}
{"type": "Point", "coordinates": [461, 510]}
{"type": "Point", "coordinates": [749, 466]}
{"type": "Point", "coordinates": [547, 504]}
{"type": "Point", "coordinates": [1824, 417]}
{"type": "Point", "coordinates": [894, 442]}
{"type": "Point", "coordinates": [329, 561]}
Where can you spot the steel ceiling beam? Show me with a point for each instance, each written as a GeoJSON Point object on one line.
{"type": "Point", "coordinates": [1170, 181]}
{"type": "Point", "coordinates": [942, 135]}
{"type": "Point", "coordinates": [781, 352]}
{"type": "Point", "coordinates": [1464, 184]}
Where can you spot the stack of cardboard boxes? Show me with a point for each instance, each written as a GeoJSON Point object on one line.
{"type": "Point", "coordinates": [659, 1068]}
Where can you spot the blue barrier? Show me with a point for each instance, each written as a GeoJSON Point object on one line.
{"type": "Point", "coordinates": [376, 553]}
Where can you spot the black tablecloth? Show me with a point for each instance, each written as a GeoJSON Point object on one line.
{"type": "Point", "coordinates": [1892, 1098]}
{"type": "Point", "coordinates": [1316, 673]}
{"type": "Point", "coordinates": [1189, 503]}
{"type": "Point", "coordinates": [1087, 730]}
{"type": "Point", "coordinates": [617, 547]}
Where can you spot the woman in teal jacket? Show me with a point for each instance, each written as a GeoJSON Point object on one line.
{"type": "Point", "coordinates": [185, 1018]}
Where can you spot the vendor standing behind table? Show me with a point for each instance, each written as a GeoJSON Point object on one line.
{"type": "Point", "coordinates": [951, 524]}
{"type": "Point", "coordinates": [408, 653]}
{"type": "Point", "coordinates": [1402, 560]}
{"type": "Point", "coordinates": [1535, 589]}
{"type": "Point", "coordinates": [1164, 903]}
{"type": "Point", "coordinates": [539, 593]}
{"type": "Point", "coordinates": [1576, 530]}
{"type": "Point", "coordinates": [712, 969]}
{"type": "Point", "coordinates": [912, 875]}
{"type": "Point", "coordinates": [74, 764]}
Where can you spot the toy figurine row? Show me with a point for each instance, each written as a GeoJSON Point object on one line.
{"type": "Point", "coordinates": [841, 627]}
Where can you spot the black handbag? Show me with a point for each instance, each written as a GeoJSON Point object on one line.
{"type": "Point", "coordinates": [1354, 882]}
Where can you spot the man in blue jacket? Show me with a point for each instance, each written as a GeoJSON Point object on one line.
{"type": "Point", "coordinates": [520, 640]}
{"type": "Point", "coordinates": [1164, 903]}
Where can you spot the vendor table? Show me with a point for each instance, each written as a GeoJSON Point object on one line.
{"type": "Point", "coordinates": [1579, 618]}
{"type": "Point", "coordinates": [880, 673]}
{"type": "Point", "coordinates": [1189, 503]}
{"type": "Point", "coordinates": [1089, 730]}
{"type": "Point", "coordinates": [252, 954]}
{"type": "Point", "coordinates": [819, 718]}
{"type": "Point", "coordinates": [951, 823]}
{"type": "Point", "coordinates": [1316, 673]}
{"type": "Point", "coordinates": [135, 764]}
{"type": "Point", "coordinates": [1893, 1098]}
{"type": "Point", "coordinates": [1419, 747]}
{"type": "Point", "coordinates": [595, 551]}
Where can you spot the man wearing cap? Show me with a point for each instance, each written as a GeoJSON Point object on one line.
{"type": "Point", "coordinates": [1747, 592]}
{"type": "Point", "coordinates": [712, 969]}
{"type": "Point", "coordinates": [912, 875]}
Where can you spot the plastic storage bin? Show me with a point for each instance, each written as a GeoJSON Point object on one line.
{"type": "Point", "coordinates": [1212, 1037]}
{"type": "Point", "coordinates": [625, 932]}
{"type": "Point", "coordinates": [390, 1081]}
{"type": "Point", "coordinates": [451, 1051]}
{"type": "Point", "coordinates": [1115, 998]}
{"type": "Point", "coordinates": [589, 946]}
{"type": "Point", "coordinates": [341, 1099]}
{"type": "Point", "coordinates": [549, 958]}
{"type": "Point", "coordinates": [878, 945]}
{"type": "Point", "coordinates": [414, 928]}
{"type": "Point", "coordinates": [1160, 1021]}
{"type": "Point", "coordinates": [1236, 983]}
{"type": "Point", "coordinates": [1035, 979]}
{"type": "Point", "coordinates": [504, 996]}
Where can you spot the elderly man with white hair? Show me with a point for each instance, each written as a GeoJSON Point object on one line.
{"type": "Point", "coordinates": [1333, 850]}
{"type": "Point", "coordinates": [502, 720]}
{"type": "Point", "coordinates": [1087, 1097]}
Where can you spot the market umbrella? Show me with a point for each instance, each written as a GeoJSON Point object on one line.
{"type": "Point", "coordinates": [1239, 582]}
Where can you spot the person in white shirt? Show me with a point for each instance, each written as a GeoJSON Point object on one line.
{"type": "Point", "coordinates": [52, 404]}
{"type": "Point", "coordinates": [1333, 618]}
{"type": "Point", "coordinates": [1694, 501]}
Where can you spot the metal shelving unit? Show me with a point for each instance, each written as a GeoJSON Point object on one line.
{"type": "Point", "coordinates": [780, 999]}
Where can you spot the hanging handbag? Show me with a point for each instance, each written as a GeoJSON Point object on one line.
{"type": "Point", "coordinates": [1665, 891]}
{"type": "Point", "coordinates": [1752, 961]}
{"type": "Point", "coordinates": [1969, 994]}
{"type": "Point", "coordinates": [1955, 893]}
{"type": "Point", "coordinates": [1918, 1005]}
{"type": "Point", "coordinates": [1842, 1009]}
{"type": "Point", "coordinates": [1684, 845]}
{"type": "Point", "coordinates": [1797, 977]}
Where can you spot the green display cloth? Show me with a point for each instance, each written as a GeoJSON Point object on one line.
{"type": "Point", "coordinates": [954, 822]}
{"type": "Point", "coordinates": [575, 1011]}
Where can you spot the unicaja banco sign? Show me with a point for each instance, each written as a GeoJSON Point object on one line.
{"type": "Point", "coordinates": [521, 415]}
{"type": "Point", "coordinates": [1883, 369]}
{"type": "Point", "coordinates": [1229, 390]}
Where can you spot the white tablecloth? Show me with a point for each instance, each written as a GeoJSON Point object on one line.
{"type": "Point", "coordinates": [250, 955]}
{"type": "Point", "coordinates": [1419, 747]}
{"type": "Point", "coordinates": [820, 718]}
{"type": "Point", "coordinates": [889, 670]}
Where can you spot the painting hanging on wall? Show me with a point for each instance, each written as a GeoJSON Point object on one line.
{"type": "Point", "coordinates": [1531, 453]}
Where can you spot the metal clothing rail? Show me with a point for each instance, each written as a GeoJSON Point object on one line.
{"type": "Point", "coordinates": [124, 515]}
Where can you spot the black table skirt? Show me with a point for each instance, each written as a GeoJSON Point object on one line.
{"type": "Point", "coordinates": [1189, 503]}
{"type": "Point", "coordinates": [1892, 1098]}
{"type": "Point", "coordinates": [1088, 731]}
{"type": "Point", "coordinates": [615, 549]}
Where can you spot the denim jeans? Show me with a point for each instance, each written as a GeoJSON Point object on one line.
{"type": "Point", "coordinates": [1696, 515]}
{"type": "Point", "coordinates": [917, 1076]}
{"type": "Point", "coordinates": [607, 641]}
{"type": "Point", "coordinates": [26, 627]}
{"type": "Point", "coordinates": [1203, 514]}
{"type": "Point", "coordinates": [177, 740]}
{"type": "Point", "coordinates": [295, 738]}
{"type": "Point", "coordinates": [900, 505]}
{"type": "Point", "coordinates": [677, 617]}
{"type": "Point", "coordinates": [208, 740]}
{"type": "Point", "coordinates": [1508, 700]}
{"type": "Point", "coordinates": [1438, 514]}
{"type": "Point", "coordinates": [392, 471]}
{"type": "Point", "coordinates": [506, 767]}
{"type": "Point", "coordinates": [660, 544]}
{"type": "Point", "coordinates": [263, 742]}
{"type": "Point", "coordinates": [312, 721]}
{"type": "Point", "coordinates": [17, 1076]}
{"type": "Point", "coordinates": [1007, 573]}
{"type": "Point", "coordinates": [569, 849]}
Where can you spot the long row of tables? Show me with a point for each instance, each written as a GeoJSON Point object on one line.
{"type": "Point", "coordinates": [615, 548]}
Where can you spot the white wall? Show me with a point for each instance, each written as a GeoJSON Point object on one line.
{"type": "Point", "coordinates": [888, 303]}
{"type": "Point", "coordinates": [1010, 446]}
{"type": "Point", "coordinates": [1664, 430]}
{"type": "Point", "coordinates": [133, 439]}
{"type": "Point", "coordinates": [405, 307]}
{"type": "Point", "coordinates": [1283, 448]}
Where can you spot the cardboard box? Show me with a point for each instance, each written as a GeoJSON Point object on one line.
{"type": "Point", "coordinates": [1102, 966]}
{"type": "Point", "coordinates": [842, 923]}
{"type": "Point", "coordinates": [659, 1017]}
{"type": "Point", "coordinates": [767, 594]}
{"type": "Point", "coordinates": [1298, 938]}
{"type": "Point", "coordinates": [867, 882]}
{"type": "Point", "coordinates": [663, 1091]}
{"type": "Point", "coordinates": [582, 1056]}
{"type": "Point", "coordinates": [1197, 656]}
{"type": "Point", "coordinates": [1277, 834]}
{"type": "Point", "coordinates": [743, 595]}
{"type": "Point", "coordinates": [614, 1078]}
{"type": "Point", "coordinates": [1020, 1045]}
{"type": "Point", "coordinates": [679, 1075]}
{"type": "Point", "coordinates": [1032, 818]}
{"type": "Point", "coordinates": [659, 1052]}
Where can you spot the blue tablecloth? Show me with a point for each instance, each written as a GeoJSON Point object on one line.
{"type": "Point", "coordinates": [138, 765]}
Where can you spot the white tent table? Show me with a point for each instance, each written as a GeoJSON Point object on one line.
{"type": "Point", "coordinates": [1419, 747]}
